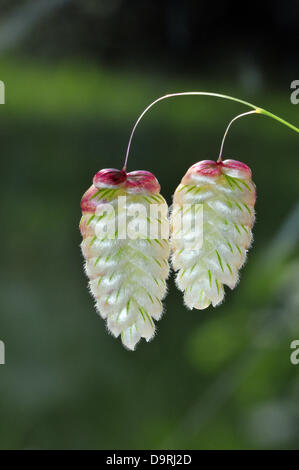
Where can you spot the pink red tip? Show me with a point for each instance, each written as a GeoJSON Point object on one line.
{"type": "Point", "coordinates": [135, 181]}
{"type": "Point", "coordinates": [109, 176]}
{"type": "Point", "coordinates": [143, 180]}
{"type": "Point", "coordinates": [211, 168]}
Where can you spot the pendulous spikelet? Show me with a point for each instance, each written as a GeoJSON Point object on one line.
{"type": "Point", "coordinates": [224, 194]}
{"type": "Point", "coordinates": [127, 268]}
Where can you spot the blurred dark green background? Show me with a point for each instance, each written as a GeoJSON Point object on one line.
{"type": "Point", "coordinates": [77, 75]}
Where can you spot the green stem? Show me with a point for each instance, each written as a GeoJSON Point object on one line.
{"type": "Point", "coordinates": [206, 93]}
{"type": "Point", "coordinates": [277, 118]}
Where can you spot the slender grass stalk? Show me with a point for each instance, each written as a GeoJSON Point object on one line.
{"type": "Point", "coordinates": [205, 93]}
{"type": "Point", "coordinates": [227, 129]}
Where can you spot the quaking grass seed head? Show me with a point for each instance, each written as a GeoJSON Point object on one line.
{"type": "Point", "coordinates": [126, 276]}
{"type": "Point", "coordinates": [227, 195]}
